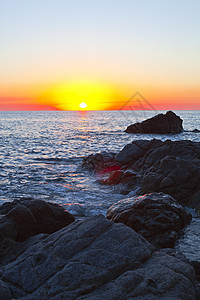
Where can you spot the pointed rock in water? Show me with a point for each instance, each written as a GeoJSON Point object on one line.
{"type": "Point", "coordinates": [157, 217]}
{"type": "Point", "coordinates": [196, 130]}
{"type": "Point", "coordinates": [95, 258]}
{"type": "Point", "coordinates": [161, 123]}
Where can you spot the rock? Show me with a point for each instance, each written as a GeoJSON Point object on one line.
{"type": "Point", "coordinates": [4, 291]}
{"type": "Point", "coordinates": [129, 177]}
{"type": "Point", "coordinates": [157, 217]}
{"type": "Point", "coordinates": [196, 266]}
{"type": "Point", "coordinates": [114, 177]}
{"type": "Point", "coordinates": [196, 130]}
{"type": "Point", "coordinates": [160, 278]}
{"type": "Point", "coordinates": [99, 162]}
{"type": "Point", "coordinates": [27, 217]}
{"type": "Point", "coordinates": [132, 152]}
{"type": "Point", "coordinates": [174, 176]}
{"type": "Point", "coordinates": [95, 258]}
{"type": "Point", "coordinates": [161, 123]}
{"type": "Point", "coordinates": [172, 167]}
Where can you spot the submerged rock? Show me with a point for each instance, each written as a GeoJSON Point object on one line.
{"type": "Point", "coordinates": [157, 217]}
{"type": "Point", "coordinates": [96, 259]}
{"type": "Point", "coordinates": [161, 123]}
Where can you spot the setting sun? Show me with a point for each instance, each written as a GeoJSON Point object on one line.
{"type": "Point", "coordinates": [83, 105]}
{"type": "Point", "coordinates": [69, 96]}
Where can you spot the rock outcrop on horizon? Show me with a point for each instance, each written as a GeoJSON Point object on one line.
{"type": "Point", "coordinates": [161, 124]}
{"type": "Point", "coordinates": [171, 167]}
{"type": "Point", "coordinates": [95, 258]}
{"type": "Point", "coordinates": [157, 217]}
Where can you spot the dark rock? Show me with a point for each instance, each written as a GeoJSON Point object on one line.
{"type": "Point", "coordinates": [196, 130]}
{"type": "Point", "coordinates": [129, 177]}
{"type": "Point", "coordinates": [161, 123]}
{"type": "Point", "coordinates": [5, 293]}
{"type": "Point", "coordinates": [132, 152]}
{"type": "Point", "coordinates": [24, 221]}
{"type": "Point", "coordinates": [24, 218]}
{"type": "Point", "coordinates": [100, 162]}
{"type": "Point", "coordinates": [172, 167]}
{"type": "Point", "coordinates": [196, 266]}
{"type": "Point", "coordinates": [157, 217]}
{"type": "Point", "coordinates": [114, 177]}
{"type": "Point", "coordinates": [96, 259]}
{"type": "Point", "coordinates": [174, 176]}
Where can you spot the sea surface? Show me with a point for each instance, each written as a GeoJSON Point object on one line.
{"type": "Point", "coordinates": [41, 155]}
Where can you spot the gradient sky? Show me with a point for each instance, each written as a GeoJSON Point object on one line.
{"type": "Point", "coordinates": [113, 47]}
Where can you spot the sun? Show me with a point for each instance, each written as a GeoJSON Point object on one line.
{"type": "Point", "coordinates": [83, 105]}
{"type": "Point", "coordinates": [82, 95]}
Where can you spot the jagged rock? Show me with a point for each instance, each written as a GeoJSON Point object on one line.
{"type": "Point", "coordinates": [161, 123]}
{"type": "Point", "coordinates": [157, 217]}
{"type": "Point", "coordinates": [26, 217]}
{"type": "Point", "coordinates": [96, 259]}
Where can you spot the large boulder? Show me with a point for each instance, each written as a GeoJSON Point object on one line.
{"type": "Point", "coordinates": [157, 217]}
{"type": "Point", "coordinates": [26, 217]}
{"type": "Point", "coordinates": [95, 258]}
{"type": "Point", "coordinates": [161, 123]}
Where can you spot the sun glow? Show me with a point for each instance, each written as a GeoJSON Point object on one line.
{"type": "Point", "coordinates": [83, 105]}
{"type": "Point", "coordinates": [69, 96]}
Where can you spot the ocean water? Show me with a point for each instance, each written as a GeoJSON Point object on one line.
{"type": "Point", "coordinates": [41, 154]}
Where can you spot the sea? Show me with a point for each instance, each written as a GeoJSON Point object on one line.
{"type": "Point", "coordinates": [41, 154]}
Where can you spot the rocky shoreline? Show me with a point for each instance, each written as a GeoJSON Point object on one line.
{"type": "Point", "coordinates": [171, 167]}
{"type": "Point", "coordinates": [46, 253]}
{"type": "Point", "coordinates": [93, 258]}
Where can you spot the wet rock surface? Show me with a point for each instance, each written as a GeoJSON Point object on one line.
{"type": "Point", "coordinates": [95, 258]}
{"type": "Point", "coordinates": [161, 123]}
{"type": "Point", "coordinates": [157, 217]}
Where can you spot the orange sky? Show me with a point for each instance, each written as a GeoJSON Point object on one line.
{"type": "Point", "coordinates": [97, 96]}
{"type": "Point", "coordinates": [58, 54]}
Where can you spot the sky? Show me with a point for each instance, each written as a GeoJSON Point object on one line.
{"type": "Point", "coordinates": [57, 54]}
